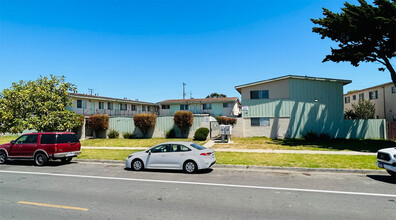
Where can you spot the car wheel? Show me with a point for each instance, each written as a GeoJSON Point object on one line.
{"type": "Point", "coordinates": [40, 159]}
{"type": "Point", "coordinates": [190, 166]}
{"type": "Point", "coordinates": [137, 165]}
{"type": "Point", "coordinates": [3, 157]}
{"type": "Point", "coordinates": [66, 159]}
{"type": "Point", "coordinates": [393, 174]}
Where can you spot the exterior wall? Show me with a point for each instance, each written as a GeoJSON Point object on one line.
{"type": "Point", "coordinates": [277, 90]}
{"type": "Point", "coordinates": [311, 106]}
{"type": "Point", "coordinates": [163, 124]}
{"type": "Point", "coordinates": [385, 104]}
{"type": "Point", "coordinates": [196, 108]}
{"type": "Point", "coordinates": [90, 107]}
{"type": "Point", "coordinates": [278, 128]}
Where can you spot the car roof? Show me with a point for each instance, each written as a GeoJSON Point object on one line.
{"type": "Point", "coordinates": [178, 142]}
{"type": "Point", "coordinates": [49, 133]}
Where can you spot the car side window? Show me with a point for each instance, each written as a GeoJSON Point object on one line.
{"type": "Point", "coordinates": [161, 148]}
{"type": "Point", "coordinates": [28, 139]}
{"type": "Point", "coordinates": [179, 148]}
{"type": "Point", "coordinates": [184, 148]}
{"type": "Point", "coordinates": [48, 139]}
{"type": "Point", "coordinates": [21, 139]}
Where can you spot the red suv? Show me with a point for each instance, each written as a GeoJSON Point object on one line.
{"type": "Point", "coordinates": [41, 147]}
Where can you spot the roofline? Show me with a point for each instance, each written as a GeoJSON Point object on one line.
{"type": "Point", "coordinates": [380, 85]}
{"type": "Point", "coordinates": [343, 81]}
{"type": "Point", "coordinates": [77, 95]}
{"type": "Point", "coordinates": [194, 101]}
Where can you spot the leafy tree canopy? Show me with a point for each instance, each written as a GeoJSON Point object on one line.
{"type": "Point", "coordinates": [362, 110]}
{"type": "Point", "coordinates": [364, 33]}
{"type": "Point", "coordinates": [216, 95]}
{"type": "Point", "coordinates": [39, 105]}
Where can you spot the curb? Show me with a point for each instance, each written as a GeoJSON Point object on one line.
{"type": "Point", "coordinates": [262, 168]}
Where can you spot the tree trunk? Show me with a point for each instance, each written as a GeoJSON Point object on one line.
{"type": "Point", "coordinates": [391, 70]}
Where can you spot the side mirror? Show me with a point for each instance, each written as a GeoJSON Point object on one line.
{"type": "Point", "coordinates": [149, 152]}
{"type": "Point", "coordinates": [12, 142]}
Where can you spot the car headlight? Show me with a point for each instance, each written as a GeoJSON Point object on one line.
{"type": "Point", "coordinates": [130, 155]}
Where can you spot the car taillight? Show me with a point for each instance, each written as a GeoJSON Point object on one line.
{"type": "Point", "coordinates": [56, 148]}
{"type": "Point", "coordinates": [206, 154]}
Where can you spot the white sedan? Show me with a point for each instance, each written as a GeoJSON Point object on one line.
{"type": "Point", "coordinates": [187, 156]}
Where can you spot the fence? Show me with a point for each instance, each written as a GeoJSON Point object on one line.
{"type": "Point", "coordinates": [163, 124]}
{"type": "Point", "coordinates": [364, 129]}
{"type": "Point", "coordinates": [391, 130]}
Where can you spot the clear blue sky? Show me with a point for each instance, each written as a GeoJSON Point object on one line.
{"type": "Point", "coordinates": [143, 49]}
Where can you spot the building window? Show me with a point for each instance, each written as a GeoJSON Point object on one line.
{"type": "Point", "coordinates": [393, 89]}
{"type": "Point", "coordinates": [259, 122]}
{"type": "Point", "coordinates": [347, 99]}
{"type": "Point", "coordinates": [259, 94]}
{"type": "Point", "coordinates": [143, 108]}
{"type": "Point", "coordinates": [133, 107]}
{"type": "Point", "coordinates": [354, 97]}
{"type": "Point", "coordinates": [149, 108]}
{"type": "Point", "coordinates": [110, 106]}
{"type": "Point", "coordinates": [373, 95]}
{"type": "Point", "coordinates": [226, 105]}
{"type": "Point", "coordinates": [207, 106]}
{"type": "Point", "coordinates": [101, 105]}
{"type": "Point", "coordinates": [165, 106]}
{"type": "Point", "coordinates": [79, 103]}
{"type": "Point", "coordinates": [123, 106]}
{"type": "Point", "coordinates": [361, 96]}
{"type": "Point", "coordinates": [183, 107]}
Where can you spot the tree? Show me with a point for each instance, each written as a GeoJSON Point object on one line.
{"type": "Point", "coordinates": [364, 33]}
{"type": "Point", "coordinates": [362, 110]}
{"type": "Point", "coordinates": [144, 122]}
{"type": "Point", "coordinates": [39, 105]}
{"type": "Point", "coordinates": [98, 123]}
{"type": "Point", "coordinates": [216, 95]}
{"type": "Point", "coordinates": [222, 120]}
{"type": "Point", "coordinates": [183, 120]}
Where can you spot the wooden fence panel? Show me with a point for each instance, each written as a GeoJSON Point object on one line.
{"type": "Point", "coordinates": [391, 130]}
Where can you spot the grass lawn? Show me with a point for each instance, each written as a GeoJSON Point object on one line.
{"type": "Point", "coordinates": [300, 144]}
{"type": "Point", "coordinates": [260, 159]}
{"type": "Point", "coordinates": [121, 142]}
{"type": "Point", "coordinates": [7, 139]}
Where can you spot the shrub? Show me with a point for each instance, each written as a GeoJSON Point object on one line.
{"type": "Point", "coordinates": [80, 122]}
{"type": "Point", "coordinates": [201, 134]}
{"type": "Point", "coordinates": [222, 120]}
{"type": "Point", "coordinates": [310, 136]}
{"type": "Point", "coordinates": [144, 122]}
{"type": "Point", "coordinates": [98, 122]}
{"type": "Point", "coordinates": [324, 137]}
{"type": "Point", "coordinates": [127, 135]}
{"type": "Point", "coordinates": [171, 133]}
{"type": "Point", "coordinates": [113, 134]}
{"type": "Point", "coordinates": [183, 120]}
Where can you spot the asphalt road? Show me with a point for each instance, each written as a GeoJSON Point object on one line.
{"type": "Point", "coordinates": [106, 191]}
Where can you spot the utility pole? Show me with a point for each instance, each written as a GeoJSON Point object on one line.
{"type": "Point", "coordinates": [184, 91]}
{"type": "Point", "coordinates": [90, 90]}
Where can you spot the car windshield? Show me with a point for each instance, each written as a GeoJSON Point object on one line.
{"type": "Point", "coordinates": [197, 146]}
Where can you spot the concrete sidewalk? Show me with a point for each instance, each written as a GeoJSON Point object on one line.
{"type": "Point", "coordinates": [253, 151]}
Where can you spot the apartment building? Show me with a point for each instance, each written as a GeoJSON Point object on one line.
{"type": "Point", "coordinates": [382, 96]}
{"type": "Point", "coordinates": [91, 104]}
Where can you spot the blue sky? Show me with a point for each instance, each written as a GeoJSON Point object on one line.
{"type": "Point", "coordinates": [143, 49]}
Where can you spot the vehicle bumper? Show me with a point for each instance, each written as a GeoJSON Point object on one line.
{"type": "Point", "coordinates": [67, 154]}
{"type": "Point", "coordinates": [128, 163]}
{"type": "Point", "coordinates": [207, 163]}
{"type": "Point", "coordinates": [386, 166]}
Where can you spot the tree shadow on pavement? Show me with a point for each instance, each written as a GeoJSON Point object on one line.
{"type": "Point", "coordinates": [383, 178]}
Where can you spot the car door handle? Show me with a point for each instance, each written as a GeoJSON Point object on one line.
{"type": "Point", "coordinates": [163, 155]}
{"type": "Point", "coordinates": [181, 154]}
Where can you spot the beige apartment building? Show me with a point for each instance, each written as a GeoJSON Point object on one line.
{"type": "Point", "coordinates": [92, 104]}
{"type": "Point", "coordinates": [382, 96]}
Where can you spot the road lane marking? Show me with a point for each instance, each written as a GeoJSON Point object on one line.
{"type": "Point", "coordinates": [53, 206]}
{"type": "Point", "coordinates": [203, 184]}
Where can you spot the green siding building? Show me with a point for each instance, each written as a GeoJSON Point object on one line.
{"type": "Point", "coordinates": [290, 106]}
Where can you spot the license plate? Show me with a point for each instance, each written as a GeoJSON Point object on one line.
{"type": "Point", "coordinates": [380, 165]}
